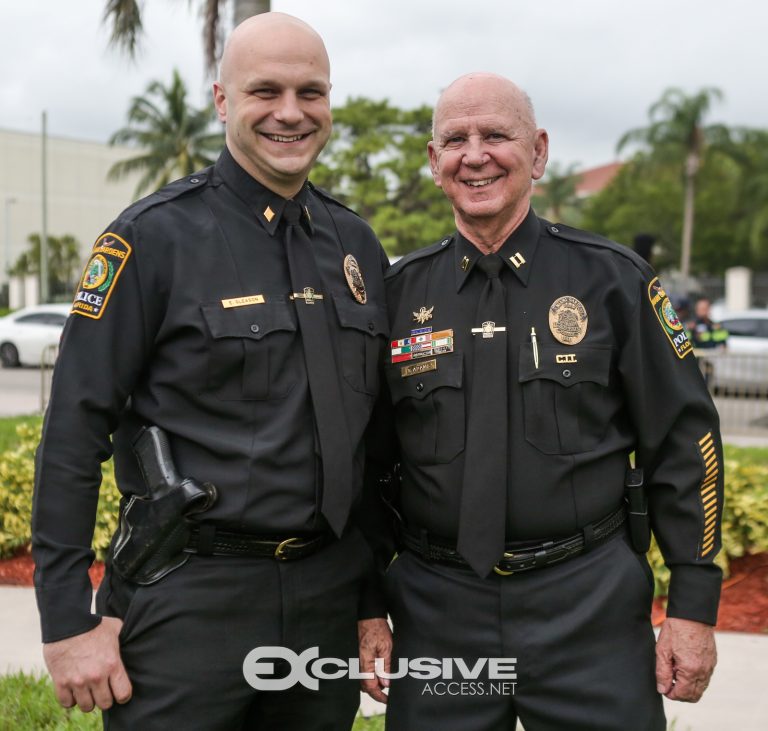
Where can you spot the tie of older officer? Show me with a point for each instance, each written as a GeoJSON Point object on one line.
{"type": "Point", "coordinates": [313, 308]}
{"type": "Point", "coordinates": [484, 493]}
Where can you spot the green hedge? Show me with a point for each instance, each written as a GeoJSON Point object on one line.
{"type": "Point", "coordinates": [17, 466]}
{"type": "Point", "coordinates": [745, 516]}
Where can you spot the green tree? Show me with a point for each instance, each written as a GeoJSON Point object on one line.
{"type": "Point", "coordinates": [175, 139]}
{"type": "Point", "coordinates": [126, 24]}
{"type": "Point", "coordinates": [677, 131]}
{"type": "Point", "coordinates": [644, 197]}
{"type": "Point", "coordinates": [376, 162]}
{"type": "Point", "coordinates": [64, 263]}
{"type": "Point", "coordinates": [555, 196]}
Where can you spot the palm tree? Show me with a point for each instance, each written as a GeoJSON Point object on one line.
{"type": "Point", "coordinates": [124, 17]}
{"type": "Point", "coordinates": [677, 132]}
{"type": "Point", "coordinates": [557, 191]}
{"type": "Point", "coordinates": [175, 138]}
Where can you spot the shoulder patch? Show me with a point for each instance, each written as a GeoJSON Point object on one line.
{"type": "Point", "coordinates": [668, 319]}
{"type": "Point", "coordinates": [412, 256]}
{"type": "Point", "coordinates": [108, 258]}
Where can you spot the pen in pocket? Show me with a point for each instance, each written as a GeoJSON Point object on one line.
{"type": "Point", "coordinates": [535, 345]}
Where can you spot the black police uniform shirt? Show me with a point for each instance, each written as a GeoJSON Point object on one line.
{"type": "Point", "coordinates": [184, 321]}
{"type": "Point", "coordinates": [630, 383]}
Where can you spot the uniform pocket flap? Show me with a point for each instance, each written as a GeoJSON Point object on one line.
{"type": "Point", "coordinates": [369, 318]}
{"type": "Point", "coordinates": [250, 321]}
{"type": "Point", "coordinates": [421, 376]}
{"type": "Point", "coordinates": [566, 365]}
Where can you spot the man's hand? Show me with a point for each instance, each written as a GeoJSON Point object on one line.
{"type": "Point", "coordinates": [375, 641]}
{"type": "Point", "coordinates": [685, 658]}
{"type": "Point", "coordinates": [87, 670]}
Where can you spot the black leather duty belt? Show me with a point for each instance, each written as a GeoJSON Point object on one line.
{"type": "Point", "coordinates": [208, 540]}
{"type": "Point", "coordinates": [522, 556]}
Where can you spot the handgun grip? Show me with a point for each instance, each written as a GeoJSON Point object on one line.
{"type": "Point", "coordinates": [153, 452]}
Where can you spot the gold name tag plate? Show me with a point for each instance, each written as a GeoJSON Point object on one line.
{"type": "Point", "coordinates": [253, 299]}
{"type": "Point", "coordinates": [416, 368]}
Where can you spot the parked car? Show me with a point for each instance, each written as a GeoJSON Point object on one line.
{"type": "Point", "coordinates": [742, 367]}
{"type": "Point", "coordinates": [24, 334]}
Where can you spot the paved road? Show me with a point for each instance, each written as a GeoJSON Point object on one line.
{"type": "Point", "coordinates": [20, 390]}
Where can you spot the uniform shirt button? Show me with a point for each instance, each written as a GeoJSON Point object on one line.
{"type": "Point", "coordinates": [254, 328]}
{"type": "Point", "coordinates": [371, 326]}
{"type": "Point", "coordinates": [194, 180]}
{"type": "Point", "coordinates": [566, 373]}
{"type": "Point", "coordinates": [419, 387]}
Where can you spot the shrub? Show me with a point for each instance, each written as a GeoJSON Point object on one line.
{"type": "Point", "coordinates": [17, 466]}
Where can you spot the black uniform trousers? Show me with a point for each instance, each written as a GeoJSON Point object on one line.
{"type": "Point", "coordinates": [184, 640]}
{"type": "Point", "coordinates": [579, 631]}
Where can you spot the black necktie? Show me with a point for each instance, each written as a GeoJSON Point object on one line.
{"type": "Point", "coordinates": [313, 308]}
{"type": "Point", "coordinates": [484, 493]}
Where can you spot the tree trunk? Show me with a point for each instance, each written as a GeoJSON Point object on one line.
{"type": "Point", "coordinates": [246, 8]}
{"type": "Point", "coordinates": [691, 168]}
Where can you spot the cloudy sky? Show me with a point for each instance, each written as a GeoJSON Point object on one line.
{"type": "Point", "coordinates": [592, 67]}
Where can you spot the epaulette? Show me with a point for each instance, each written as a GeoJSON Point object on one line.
{"type": "Point", "coordinates": [169, 192]}
{"type": "Point", "coordinates": [324, 194]}
{"type": "Point", "coordinates": [561, 231]}
{"type": "Point", "coordinates": [412, 256]}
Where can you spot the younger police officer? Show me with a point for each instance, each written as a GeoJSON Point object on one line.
{"type": "Point", "coordinates": [527, 362]}
{"type": "Point", "coordinates": [241, 311]}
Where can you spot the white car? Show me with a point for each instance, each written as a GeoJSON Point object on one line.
{"type": "Point", "coordinates": [741, 368]}
{"type": "Point", "coordinates": [26, 333]}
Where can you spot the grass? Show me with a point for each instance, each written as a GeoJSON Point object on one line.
{"type": "Point", "coordinates": [27, 703]}
{"type": "Point", "coordinates": [8, 437]}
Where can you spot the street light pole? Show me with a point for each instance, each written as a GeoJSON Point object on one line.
{"type": "Point", "coordinates": [9, 201]}
{"type": "Point", "coordinates": [44, 279]}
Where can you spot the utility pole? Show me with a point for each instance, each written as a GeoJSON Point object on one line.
{"type": "Point", "coordinates": [9, 201]}
{"type": "Point", "coordinates": [44, 277]}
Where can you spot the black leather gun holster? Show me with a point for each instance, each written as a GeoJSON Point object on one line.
{"type": "Point", "coordinates": [153, 527]}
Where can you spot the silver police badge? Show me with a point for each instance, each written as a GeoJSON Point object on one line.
{"type": "Point", "coordinates": [354, 279]}
{"type": "Point", "coordinates": [568, 320]}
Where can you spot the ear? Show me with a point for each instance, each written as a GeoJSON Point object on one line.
{"type": "Point", "coordinates": [434, 165]}
{"type": "Point", "coordinates": [220, 101]}
{"type": "Point", "coordinates": [540, 153]}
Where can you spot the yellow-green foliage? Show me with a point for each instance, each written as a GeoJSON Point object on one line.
{"type": "Point", "coordinates": [745, 513]}
{"type": "Point", "coordinates": [16, 482]}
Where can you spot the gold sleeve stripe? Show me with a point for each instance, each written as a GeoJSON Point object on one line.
{"type": "Point", "coordinates": [708, 493]}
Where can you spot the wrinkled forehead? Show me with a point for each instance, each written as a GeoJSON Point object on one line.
{"type": "Point", "coordinates": [459, 113]}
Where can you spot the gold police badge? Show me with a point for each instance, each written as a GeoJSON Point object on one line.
{"type": "Point", "coordinates": [568, 320]}
{"type": "Point", "coordinates": [355, 279]}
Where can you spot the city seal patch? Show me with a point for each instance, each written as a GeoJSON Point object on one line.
{"type": "Point", "coordinates": [108, 258]}
{"type": "Point", "coordinates": [568, 320]}
{"type": "Point", "coordinates": [668, 319]}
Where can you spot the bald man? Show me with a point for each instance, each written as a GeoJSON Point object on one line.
{"type": "Point", "coordinates": [239, 310]}
{"type": "Point", "coordinates": [527, 361]}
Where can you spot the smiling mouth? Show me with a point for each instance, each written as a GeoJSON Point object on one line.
{"type": "Point", "coordinates": [284, 138]}
{"type": "Point", "coordinates": [481, 183]}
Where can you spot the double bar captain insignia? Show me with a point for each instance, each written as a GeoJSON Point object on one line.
{"type": "Point", "coordinates": [355, 279]}
{"type": "Point", "coordinates": [423, 315]}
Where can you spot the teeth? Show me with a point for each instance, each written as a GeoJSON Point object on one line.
{"type": "Point", "coordinates": [280, 138]}
{"type": "Point", "coordinates": [480, 183]}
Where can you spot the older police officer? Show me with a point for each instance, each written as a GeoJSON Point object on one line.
{"type": "Point", "coordinates": [527, 361]}
{"type": "Point", "coordinates": [241, 311]}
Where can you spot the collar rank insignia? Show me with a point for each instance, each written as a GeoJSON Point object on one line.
{"type": "Point", "coordinates": [354, 279]}
{"type": "Point", "coordinates": [422, 343]}
{"type": "Point", "coordinates": [423, 315]}
{"type": "Point", "coordinates": [568, 320]}
{"type": "Point", "coordinates": [269, 214]}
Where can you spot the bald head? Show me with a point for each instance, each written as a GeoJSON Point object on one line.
{"type": "Point", "coordinates": [274, 35]}
{"type": "Point", "coordinates": [273, 94]}
{"type": "Point", "coordinates": [469, 92]}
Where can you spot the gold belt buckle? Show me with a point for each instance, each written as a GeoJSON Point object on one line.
{"type": "Point", "coordinates": [499, 571]}
{"type": "Point", "coordinates": [280, 550]}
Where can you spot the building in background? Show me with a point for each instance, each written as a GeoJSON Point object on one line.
{"type": "Point", "coordinates": [81, 201]}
